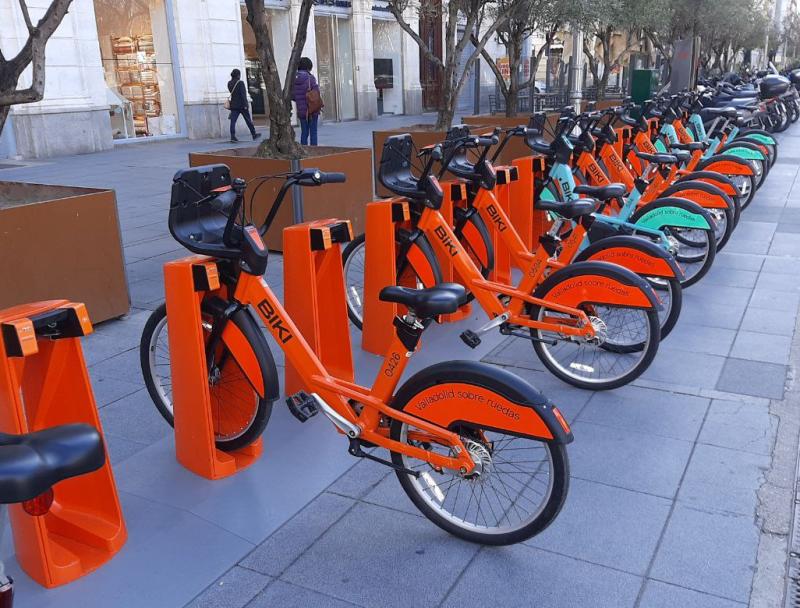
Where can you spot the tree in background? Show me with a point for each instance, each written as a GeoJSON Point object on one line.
{"type": "Point", "coordinates": [281, 142]}
{"type": "Point", "coordinates": [31, 54]}
{"type": "Point", "coordinates": [461, 18]}
{"type": "Point", "coordinates": [526, 17]}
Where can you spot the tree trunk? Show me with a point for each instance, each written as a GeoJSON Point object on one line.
{"type": "Point", "coordinates": [512, 101]}
{"type": "Point", "coordinates": [3, 117]}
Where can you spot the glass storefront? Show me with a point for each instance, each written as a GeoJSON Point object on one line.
{"type": "Point", "coordinates": [388, 52]}
{"type": "Point", "coordinates": [334, 69]}
{"type": "Point", "coordinates": [137, 60]}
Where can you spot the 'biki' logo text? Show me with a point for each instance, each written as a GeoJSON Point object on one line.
{"type": "Point", "coordinates": [274, 321]}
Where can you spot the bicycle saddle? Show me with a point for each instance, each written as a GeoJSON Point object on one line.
{"type": "Point", "coordinates": [726, 111]}
{"type": "Point", "coordinates": [660, 159]}
{"type": "Point", "coordinates": [691, 146]}
{"type": "Point", "coordinates": [30, 464]}
{"type": "Point", "coordinates": [442, 299]}
{"type": "Point", "coordinates": [683, 156]}
{"type": "Point", "coordinates": [569, 209]}
{"type": "Point", "coordinates": [602, 193]}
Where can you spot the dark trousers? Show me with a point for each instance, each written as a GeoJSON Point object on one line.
{"type": "Point", "coordinates": [247, 120]}
{"type": "Point", "coordinates": [309, 126]}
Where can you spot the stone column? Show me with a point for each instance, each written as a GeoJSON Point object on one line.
{"type": "Point", "coordinates": [208, 38]}
{"type": "Point", "coordinates": [412, 90]}
{"type": "Point", "coordinates": [73, 116]}
{"type": "Point", "coordinates": [366, 93]}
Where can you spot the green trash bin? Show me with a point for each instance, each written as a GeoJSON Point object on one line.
{"type": "Point", "coordinates": [644, 83]}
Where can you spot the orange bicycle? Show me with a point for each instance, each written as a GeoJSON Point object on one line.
{"type": "Point", "coordinates": [478, 450]}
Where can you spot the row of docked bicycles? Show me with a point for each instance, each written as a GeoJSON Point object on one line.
{"type": "Point", "coordinates": [639, 198]}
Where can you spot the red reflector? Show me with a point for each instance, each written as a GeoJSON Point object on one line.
{"type": "Point", "coordinates": [39, 505]}
{"type": "Point", "coordinates": [561, 420]}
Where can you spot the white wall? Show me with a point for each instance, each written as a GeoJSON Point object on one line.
{"type": "Point", "coordinates": [388, 44]}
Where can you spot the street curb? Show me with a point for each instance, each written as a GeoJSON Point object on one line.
{"type": "Point", "coordinates": [775, 513]}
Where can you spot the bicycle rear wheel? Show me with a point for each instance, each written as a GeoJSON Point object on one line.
{"type": "Point", "coordinates": [239, 413]}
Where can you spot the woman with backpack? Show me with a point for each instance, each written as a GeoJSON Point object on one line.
{"type": "Point", "coordinates": [309, 102]}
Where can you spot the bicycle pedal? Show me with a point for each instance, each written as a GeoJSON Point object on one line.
{"type": "Point", "coordinates": [470, 338]}
{"type": "Point", "coordinates": [302, 406]}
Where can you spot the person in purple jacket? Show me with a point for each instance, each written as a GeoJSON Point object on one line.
{"type": "Point", "coordinates": [304, 82]}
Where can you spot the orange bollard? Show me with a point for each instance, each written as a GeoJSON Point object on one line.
{"type": "Point", "coordinates": [44, 383]}
{"type": "Point", "coordinates": [314, 295]}
{"type": "Point", "coordinates": [187, 281]}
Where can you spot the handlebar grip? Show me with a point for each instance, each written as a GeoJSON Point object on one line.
{"type": "Point", "coordinates": [487, 141]}
{"type": "Point", "coordinates": [333, 178]}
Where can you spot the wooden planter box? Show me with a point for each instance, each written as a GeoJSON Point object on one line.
{"type": "Point", "coordinates": [59, 242]}
{"type": "Point", "coordinates": [517, 147]}
{"type": "Point", "coordinates": [343, 201]}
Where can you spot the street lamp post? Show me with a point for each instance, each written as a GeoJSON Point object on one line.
{"type": "Point", "coordinates": [576, 92]}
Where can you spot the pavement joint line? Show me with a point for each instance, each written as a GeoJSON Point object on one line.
{"type": "Point", "coordinates": [700, 591]}
{"type": "Point", "coordinates": [672, 506]}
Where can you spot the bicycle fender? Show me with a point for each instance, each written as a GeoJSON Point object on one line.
{"type": "Point", "coordinates": [723, 182]}
{"type": "Point", "coordinates": [470, 392]}
{"type": "Point", "coordinates": [253, 356]}
{"type": "Point", "coordinates": [704, 194]}
{"type": "Point", "coordinates": [597, 283]}
{"type": "Point", "coordinates": [761, 137]}
{"type": "Point", "coordinates": [641, 256]}
{"type": "Point", "coordinates": [418, 251]}
{"type": "Point", "coordinates": [742, 151]}
{"type": "Point", "coordinates": [673, 211]}
{"type": "Point", "coordinates": [728, 164]}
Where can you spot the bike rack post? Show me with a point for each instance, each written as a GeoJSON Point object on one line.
{"type": "Point", "coordinates": [314, 295]}
{"type": "Point", "coordinates": [502, 192]}
{"type": "Point", "coordinates": [455, 191]}
{"type": "Point", "coordinates": [44, 383]}
{"type": "Point", "coordinates": [187, 281]}
{"type": "Point", "coordinates": [528, 222]}
{"type": "Point", "coordinates": [380, 257]}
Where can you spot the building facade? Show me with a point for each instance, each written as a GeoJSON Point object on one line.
{"type": "Point", "coordinates": [144, 70]}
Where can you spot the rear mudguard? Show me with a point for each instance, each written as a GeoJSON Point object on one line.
{"type": "Point", "coordinates": [704, 194]}
{"type": "Point", "coordinates": [727, 164]}
{"type": "Point", "coordinates": [639, 255]}
{"type": "Point", "coordinates": [251, 352]}
{"type": "Point", "coordinates": [723, 182]}
{"type": "Point", "coordinates": [748, 150]}
{"type": "Point", "coordinates": [471, 230]}
{"type": "Point", "coordinates": [453, 393]}
{"type": "Point", "coordinates": [672, 211]}
{"type": "Point", "coordinates": [417, 251]}
{"type": "Point", "coordinates": [597, 283]}
{"type": "Point", "coordinates": [757, 135]}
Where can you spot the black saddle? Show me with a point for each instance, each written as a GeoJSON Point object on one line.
{"type": "Point", "coordinates": [30, 464]}
{"type": "Point", "coordinates": [569, 209]}
{"type": "Point", "coordinates": [603, 193]}
{"type": "Point", "coordinates": [726, 111]}
{"type": "Point", "coordinates": [443, 299]}
{"type": "Point", "coordinates": [691, 146]}
{"type": "Point", "coordinates": [659, 159]}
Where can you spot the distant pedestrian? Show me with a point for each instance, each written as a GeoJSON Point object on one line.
{"type": "Point", "coordinates": [309, 102]}
{"type": "Point", "coordinates": [239, 106]}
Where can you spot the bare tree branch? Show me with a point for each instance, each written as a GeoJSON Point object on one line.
{"type": "Point", "coordinates": [26, 16]}
{"type": "Point", "coordinates": [297, 49]}
{"type": "Point", "coordinates": [396, 9]}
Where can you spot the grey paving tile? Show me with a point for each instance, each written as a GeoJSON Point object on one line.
{"type": "Point", "coordinates": [360, 479]}
{"type": "Point", "coordinates": [120, 449]}
{"type": "Point", "coordinates": [785, 245]}
{"type": "Point", "coordinates": [123, 366]}
{"type": "Point", "coordinates": [781, 266]}
{"type": "Point", "coordinates": [740, 426]}
{"type": "Point", "coordinates": [769, 348]}
{"type": "Point", "coordinates": [788, 228]}
{"type": "Point", "coordinates": [777, 282]}
{"type": "Point", "coordinates": [753, 378]}
{"type": "Point", "coordinates": [107, 390]}
{"type": "Point", "coordinates": [663, 595]}
{"type": "Point", "coordinates": [234, 589]}
{"type": "Point", "coordinates": [690, 555]}
{"type": "Point", "coordinates": [531, 577]}
{"type": "Point", "coordinates": [729, 277]}
{"type": "Point", "coordinates": [620, 530]}
{"type": "Point", "coordinates": [769, 321]}
{"type": "Point", "coordinates": [685, 368]}
{"type": "Point", "coordinates": [711, 315]}
{"type": "Point", "coordinates": [431, 560]}
{"type": "Point", "coordinates": [752, 246]}
{"type": "Point", "coordinates": [737, 261]}
{"type": "Point", "coordinates": [699, 339]}
{"type": "Point", "coordinates": [777, 300]}
{"type": "Point", "coordinates": [285, 595]}
{"type": "Point", "coordinates": [135, 418]}
{"type": "Point", "coordinates": [723, 479]}
{"type": "Point", "coordinates": [389, 494]}
{"type": "Point", "coordinates": [627, 459]}
{"type": "Point", "coordinates": [569, 399]}
{"type": "Point", "coordinates": [720, 294]}
{"type": "Point", "coordinates": [648, 411]}
{"type": "Point", "coordinates": [287, 543]}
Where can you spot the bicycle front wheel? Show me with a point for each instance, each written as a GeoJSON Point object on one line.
{"type": "Point", "coordinates": [238, 413]}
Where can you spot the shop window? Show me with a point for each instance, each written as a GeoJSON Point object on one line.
{"type": "Point", "coordinates": [137, 61]}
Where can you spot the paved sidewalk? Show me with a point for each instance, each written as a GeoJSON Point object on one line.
{"type": "Point", "coordinates": [681, 484]}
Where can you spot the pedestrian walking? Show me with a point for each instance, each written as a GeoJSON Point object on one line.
{"type": "Point", "coordinates": [238, 105]}
{"type": "Point", "coordinates": [309, 101]}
